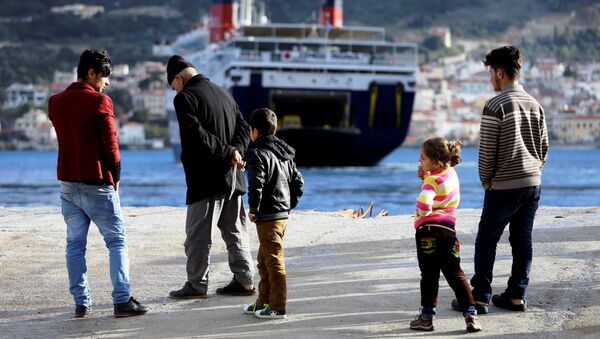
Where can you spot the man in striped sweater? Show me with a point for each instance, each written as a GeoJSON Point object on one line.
{"type": "Point", "coordinates": [512, 152]}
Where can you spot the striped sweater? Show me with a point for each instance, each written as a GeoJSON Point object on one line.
{"type": "Point", "coordinates": [514, 141]}
{"type": "Point", "coordinates": [439, 198]}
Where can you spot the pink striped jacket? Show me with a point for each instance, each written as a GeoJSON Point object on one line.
{"type": "Point", "coordinates": [439, 198]}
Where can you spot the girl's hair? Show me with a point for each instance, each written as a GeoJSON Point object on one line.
{"type": "Point", "coordinates": [442, 151]}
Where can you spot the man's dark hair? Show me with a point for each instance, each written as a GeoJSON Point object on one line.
{"type": "Point", "coordinates": [264, 120]}
{"type": "Point", "coordinates": [508, 58]}
{"type": "Point", "coordinates": [99, 61]}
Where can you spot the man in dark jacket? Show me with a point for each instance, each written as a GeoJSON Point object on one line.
{"type": "Point", "coordinates": [214, 136]}
{"type": "Point", "coordinates": [89, 167]}
{"type": "Point", "coordinates": [274, 188]}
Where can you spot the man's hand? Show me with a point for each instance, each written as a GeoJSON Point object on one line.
{"type": "Point", "coordinates": [252, 217]}
{"type": "Point", "coordinates": [236, 159]}
{"type": "Point", "coordinates": [117, 186]}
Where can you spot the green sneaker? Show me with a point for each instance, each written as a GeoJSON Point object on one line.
{"type": "Point", "coordinates": [252, 308]}
{"type": "Point", "coordinates": [268, 313]}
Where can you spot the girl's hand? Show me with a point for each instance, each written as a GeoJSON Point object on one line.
{"type": "Point", "coordinates": [420, 172]}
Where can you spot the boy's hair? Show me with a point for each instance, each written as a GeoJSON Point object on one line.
{"type": "Point", "coordinates": [99, 61]}
{"type": "Point", "coordinates": [508, 58]}
{"type": "Point", "coordinates": [264, 120]}
{"type": "Point", "coordinates": [442, 151]}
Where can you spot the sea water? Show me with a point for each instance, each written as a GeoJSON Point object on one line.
{"type": "Point", "coordinates": [571, 177]}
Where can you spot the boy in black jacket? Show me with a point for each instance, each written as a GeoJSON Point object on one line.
{"type": "Point", "coordinates": [274, 188]}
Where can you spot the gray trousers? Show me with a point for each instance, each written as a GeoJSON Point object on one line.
{"type": "Point", "coordinates": [230, 217]}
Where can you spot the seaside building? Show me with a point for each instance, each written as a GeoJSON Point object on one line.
{"type": "Point", "coordinates": [575, 129]}
{"type": "Point", "coordinates": [144, 70]}
{"type": "Point", "coordinates": [19, 94]}
{"type": "Point", "coordinates": [547, 69]}
{"type": "Point", "coordinates": [153, 102]}
{"type": "Point", "coordinates": [80, 10]}
{"type": "Point", "coordinates": [37, 128]}
{"type": "Point", "coordinates": [119, 76]}
{"type": "Point", "coordinates": [132, 135]}
{"type": "Point", "coordinates": [62, 80]}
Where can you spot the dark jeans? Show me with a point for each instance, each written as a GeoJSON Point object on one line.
{"type": "Point", "coordinates": [439, 250]}
{"type": "Point", "coordinates": [516, 207]}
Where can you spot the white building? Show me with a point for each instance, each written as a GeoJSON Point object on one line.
{"type": "Point", "coordinates": [80, 10]}
{"type": "Point", "coordinates": [576, 129]}
{"type": "Point", "coordinates": [62, 80]}
{"type": "Point", "coordinates": [132, 135]}
{"type": "Point", "coordinates": [19, 94]}
{"type": "Point", "coordinates": [66, 77]}
{"type": "Point", "coordinates": [143, 70]}
{"type": "Point", "coordinates": [547, 69]}
{"type": "Point", "coordinates": [36, 126]}
{"type": "Point", "coordinates": [153, 102]}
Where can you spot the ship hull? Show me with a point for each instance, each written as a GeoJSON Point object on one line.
{"type": "Point", "coordinates": [331, 148]}
{"type": "Point", "coordinates": [371, 132]}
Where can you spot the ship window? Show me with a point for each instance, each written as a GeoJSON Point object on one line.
{"type": "Point", "coordinates": [266, 46]}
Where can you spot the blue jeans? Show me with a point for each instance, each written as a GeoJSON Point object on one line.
{"type": "Point", "coordinates": [501, 207]}
{"type": "Point", "coordinates": [81, 204]}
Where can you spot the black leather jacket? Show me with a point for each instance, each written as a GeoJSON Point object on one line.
{"type": "Point", "coordinates": [274, 183]}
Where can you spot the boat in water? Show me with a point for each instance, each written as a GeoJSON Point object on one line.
{"type": "Point", "coordinates": [343, 95]}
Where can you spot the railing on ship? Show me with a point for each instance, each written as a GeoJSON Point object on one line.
{"type": "Point", "coordinates": [399, 55]}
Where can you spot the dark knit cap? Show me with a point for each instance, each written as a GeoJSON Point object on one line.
{"type": "Point", "coordinates": [175, 65]}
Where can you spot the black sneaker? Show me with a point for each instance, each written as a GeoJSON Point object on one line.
{"type": "Point", "coordinates": [268, 313]}
{"type": "Point", "coordinates": [82, 311]}
{"type": "Point", "coordinates": [503, 301]}
{"type": "Point", "coordinates": [235, 288]}
{"type": "Point", "coordinates": [481, 307]}
{"type": "Point", "coordinates": [187, 292]}
{"type": "Point", "coordinates": [252, 308]}
{"type": "Point", "coordinates": [129, 309]}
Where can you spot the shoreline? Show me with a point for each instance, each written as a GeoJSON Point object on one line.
{"type": "Point", "coordinates": [403, 145]}
{"type": "Point", "coordinates": [346, 278]}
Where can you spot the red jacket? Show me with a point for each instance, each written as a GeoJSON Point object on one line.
{"type": "Point", "coordinates": [87, 141]}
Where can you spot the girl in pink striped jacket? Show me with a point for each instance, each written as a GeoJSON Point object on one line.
{"type": "Point", "coordinates": [437, 246]}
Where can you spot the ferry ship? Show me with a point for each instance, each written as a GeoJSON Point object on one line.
{"type": "Point", "coordinates": [343, 95]}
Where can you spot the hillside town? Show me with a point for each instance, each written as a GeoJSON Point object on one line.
{"type": "Point", "coordinates": [450, 94]}
{"type": "Point", "coordinates": [138, 93]}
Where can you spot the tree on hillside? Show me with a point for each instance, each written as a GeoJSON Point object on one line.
{"type": "Point", "coordinates": [433, 42]}
{"type": "Point", "coordinates": [122, 101]}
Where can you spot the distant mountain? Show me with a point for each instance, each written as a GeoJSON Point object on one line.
{"type": "Point", "coordinates": [34, 41]}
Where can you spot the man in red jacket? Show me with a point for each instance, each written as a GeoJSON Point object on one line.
{"type": "Point", "coordinates": [89, 167]}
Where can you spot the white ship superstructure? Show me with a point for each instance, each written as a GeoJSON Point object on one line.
{"type": "Point", "coordinates": [343, 87]}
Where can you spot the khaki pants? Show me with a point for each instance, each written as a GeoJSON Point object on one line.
{"type": "Point", "coordinates": [272, 288]}
{"type": "Point", "coordinates": [230, 217]}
